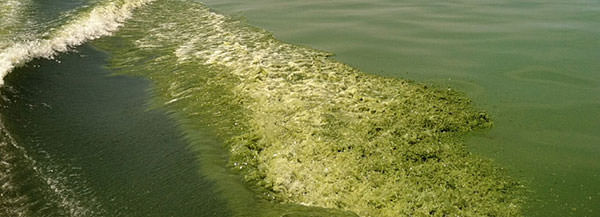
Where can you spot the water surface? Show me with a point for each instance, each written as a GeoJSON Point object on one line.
{"type": "Point", "coordinates": [84, 143]}
{"type": "Point", "coordinates": [532, 64]}
{"type": "Point", "coordinates": [103, 150]}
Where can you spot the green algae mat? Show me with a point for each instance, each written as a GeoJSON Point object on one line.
{"type": "Point", "coordinates": [304, 129]}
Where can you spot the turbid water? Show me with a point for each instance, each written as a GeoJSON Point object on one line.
{"type": "Point", "coordinates": [79, 143]}
{"type": "Point", "coordinates": [532, 64]}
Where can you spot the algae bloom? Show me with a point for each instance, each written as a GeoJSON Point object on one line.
{"type": "Point", "coordinates": [303, 128]}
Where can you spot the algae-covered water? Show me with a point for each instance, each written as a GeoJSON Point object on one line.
{"type": "Point", "coordinates": [237, 108]}
{"type": "Point", "coordinates": [532, 64]}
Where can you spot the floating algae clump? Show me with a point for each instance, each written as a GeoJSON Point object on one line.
{"type": "Point", "coordinates": [305, 129]}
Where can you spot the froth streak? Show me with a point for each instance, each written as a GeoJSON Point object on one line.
{"type": "Point", "coordinates": [100, 21]}
{"type": "Point", "coordinates": [29, 189]}
{"type": "Point", "coordinates": [303, 128]}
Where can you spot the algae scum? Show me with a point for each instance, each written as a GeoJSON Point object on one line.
{"type": "Point", "coordinates": [303, 128]}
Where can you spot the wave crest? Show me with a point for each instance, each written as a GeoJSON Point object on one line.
{"type": "Point", "coordinates": [100, 21]}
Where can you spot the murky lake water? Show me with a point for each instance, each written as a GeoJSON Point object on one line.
{"type": "Point", "coordinates": [533, 65]}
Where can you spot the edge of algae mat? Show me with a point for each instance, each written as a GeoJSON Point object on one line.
{"type": "Point", "coordinates": [303, 128]}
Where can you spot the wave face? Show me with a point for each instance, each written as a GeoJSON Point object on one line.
{"type": "Point", "coordinates": [305, 129]}
{"type": "Point", "coordinates": [101, 20]}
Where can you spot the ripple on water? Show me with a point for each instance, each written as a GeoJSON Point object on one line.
{"type": "Point", "coordinates": [551, 76]}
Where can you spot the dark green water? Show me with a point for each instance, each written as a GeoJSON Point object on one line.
{"type": "Point", "coordinates": [532, 64]}
{"type": "Point", "coordinates": [96, 134]}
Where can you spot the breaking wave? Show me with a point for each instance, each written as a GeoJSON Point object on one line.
{"type": "Point", "coordinates": [100, 21]}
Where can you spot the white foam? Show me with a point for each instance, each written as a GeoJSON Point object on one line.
{"type": "Point", "coordinates": [100, 21]}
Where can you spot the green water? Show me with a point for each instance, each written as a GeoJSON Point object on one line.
{"type": "Point", "coordinates": [106, 152]}
{"type": "Point", "coordinates": [89, 143]}
{"type": "Point", "coordinates": [303, 128]}
{"type": "Point", "coordinates": [532, 64]}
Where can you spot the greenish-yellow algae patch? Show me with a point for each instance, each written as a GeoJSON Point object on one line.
{"type": "Point", "coordinates": [305, 129]}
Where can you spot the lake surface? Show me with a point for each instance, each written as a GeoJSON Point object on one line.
{"type": "Point", "coordinates": [95, 145]}
{"type": "Point", "coordinates": [532, 64]}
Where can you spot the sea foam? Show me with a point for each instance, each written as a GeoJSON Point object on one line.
{"type": "Point", "coordinates": [100, 21]}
